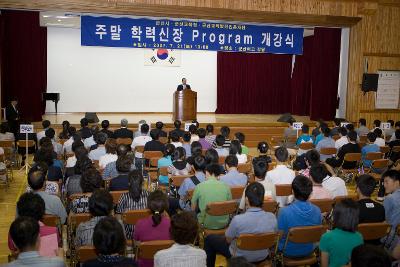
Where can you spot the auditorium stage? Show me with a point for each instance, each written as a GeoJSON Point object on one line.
{"type": "Point", "coordinates": [244, 120]}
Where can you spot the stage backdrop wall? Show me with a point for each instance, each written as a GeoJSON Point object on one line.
{"type": "Point", "coordinates": [101, 79]}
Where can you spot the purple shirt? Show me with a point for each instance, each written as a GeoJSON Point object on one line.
{"type": "Point", "coordinates": [144, 231]}
{"type": "Point", "coordinates": [204, 143]}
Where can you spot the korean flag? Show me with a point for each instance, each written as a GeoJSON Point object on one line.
{"type": "Point", "coordinates": [162, 57]}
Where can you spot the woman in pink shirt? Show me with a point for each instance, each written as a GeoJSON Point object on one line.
{"type": "Point", "coordinates": [155, 227]}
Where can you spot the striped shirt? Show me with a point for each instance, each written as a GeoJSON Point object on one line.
{"type": "Point", "coordinates": [126, 203]}
{"type": "Point", "coordinates": [84, 232]}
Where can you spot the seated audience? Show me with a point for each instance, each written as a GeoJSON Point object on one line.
{"type": "Point", "coordinates": [351, 147]}
{"type": "Point", "coordinates": [71, 161]}
{"type": "Point", "coordinates": [36, 181]}
{"type": "Point", "coordinates": [179, 164]}
{"type": "Point", "coordinates": [85, 131]}
{"type": "Point", "coordinates": [177, 130]}
{"type": "Point", "coordinates": [32, 205]}
{"type": "Point", "coordinates": [260, 170]}
{"type": "Point", "coordinates": [202, 139]}
{"type": "Point", "coordinates": [123, 132]}
{"type": "Point", "coordinates": [90, 181]}
{"type": "Point", "coordinates": [376, 124]}
{"type": "Point", "coordinates": [261, 222]}
{"type": "Point", "coordinates": [50, 133]}
{"type": "Point", "coordinates": [219, 146]}
{"type": "Point", "coordinates": [124, 164]}
{"type": "Point", "coordinates": [110, 243]}
{"type": "Point", "coordinates": [281, 174]}
{"type": "Point", "coordinates": [241, 138]}
{"type": "Point", "coordinates": [174, 136]}
{"type": "Point", "coordinates": [139, 132]}
{"type": "Point", "coordinates": [186, 143]}
{"type": "Point", "coordinates": [154, 144]}
{"type": "Point", "coordinates": [89, 142]}
{"type": "Point", "coordinates": [236, 149]}
{"type": "Point", "coordinates": [334, 184]}
{"type": "Point", "coordinates": [134, 199]}
{"type": "Point", "coordinates": [317, 175]}
{"type": "Point", "coordinates": [262, 148]}
{"type": "Point", "coordinates": [184, 229]}
{"type": "Point", "coordinates": [105, 125]}
{"type": "Point", "coordinates": [110, 171]}
{"type": "Point", "coordinates": [199, 166]}
{"type": "Point", "coordinates": [195, 150]}
{"type": "Point", "coordinates": [233, 177]}
{"type": "Point", "coordinates": [111, 153]}
{"type": "Point", "coordinates": [100, 206]}
{"type": "Point", "coordinates": [394, 156]}
{"type": "Point", "coordinates": [100, 139]}
{"type": "Point", "coordinates": [193, 133]}
{"type": "Point", "coordinates": [290, 132]}
{"type": "Point", "coordinates": [73, 183]}
{"type": "Point", "coordinates": [379, 140]}
{"type": "Point", "coordinates": [370, 256]}
{"type": "Point", "coordinates": [336, 245]}
{"type": "Point", "coordinates": [165, 161]}
{"type": "Point", "coordinates": [46, 125]}
{"type": "Point", "coordinates": [225, 131]}
{"type": "Point", "coordinates": [65, 133]}
{"type": "Point", "coordinates": [140, 140]}
{"type": "Point", "coordinates": [5, 132]}
{"type": "Point", "coordinates": [325, 142]}
{"type": "Point", "coordinates": [54, 166]}
{"type": "Point", "coordinates": [210, 137]}
{"type": "Point", "coordinates": [362, 127]}
{"type": "Point", "coordinates": [156, 226]}
{"type": "Point", "coordinates": [343, 138]}
{"type": "Point", "coordinates": [159, 129]}
{"type": "Point", "coordinates": [211, 190]}
{"type": "Point", "coordinates": [335, 129]}
{"type": "Point", "coordinates": [391, 204]}
{"type": "Point", "coordinates": [305, 137]}
{"type": "Point", "coordinates": [397, 127]}
{"type": "Point", "coordinates": [369, 147]}
{"type": "Point", "coordinates": [300, 213]}
{"type": "Point", "coordinates": [24, 232]}
{"type": "Point", "coordinates": [311, 158]}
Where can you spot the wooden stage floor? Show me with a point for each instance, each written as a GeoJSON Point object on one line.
{"type": "Point", "coordinates": [203, 118]}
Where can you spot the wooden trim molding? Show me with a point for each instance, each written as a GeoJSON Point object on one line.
{"type": "Point", "coordinates": [380, 111]}
{"type": "Point", "coordinates": [380, 55]}
{"type": "Point", "coordinates": [191, 12]}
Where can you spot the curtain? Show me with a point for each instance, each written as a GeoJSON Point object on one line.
{"type": "Point", "coordinates": [23, 58]}
{"type": "Point", "coordinates": [325, 73]}
{"type": "Point", "coordinates": [251, 83]}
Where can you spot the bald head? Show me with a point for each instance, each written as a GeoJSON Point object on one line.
{"type": "Point", "coordinates": [37, 176]}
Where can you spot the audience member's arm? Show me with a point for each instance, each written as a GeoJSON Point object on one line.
{"type": "Point", "coordinates": [232, 231]}
{"type": "Point", "coordinates": [195, 198]}
{"type": "Point", "coordinates": [396, 252]}
{"type": "Point", "coordinates": [329, 168]}
{"type": "Point", "coordinates": [324, 259]}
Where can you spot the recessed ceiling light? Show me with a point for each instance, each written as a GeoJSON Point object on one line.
{"type": "Point", "coordinates": [59, 20]}
{"type": "Point", "coordinates": [46, 16]}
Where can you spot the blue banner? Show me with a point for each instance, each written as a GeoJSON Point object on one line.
{"type": "Point", "coordinates": [192, 35]}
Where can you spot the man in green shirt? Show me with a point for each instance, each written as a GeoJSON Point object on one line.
{"type": "Point", "coordinates": [240, 136]}
{"type": "Point", "coordinates": [211, 190]}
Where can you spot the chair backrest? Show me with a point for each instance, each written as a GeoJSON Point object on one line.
{"type": "Point", "coordinates": [139, 149]}
{"type": "Point", "coordinates": [154, 162]}
{"type": "Point", "coordinates": [352, 157]}
{"type": "Point", "coordinates": [396, 149]}
{"type": "Point", "coordinates": [77, 218]}
{"type": "Point", "coordinates": [86, 253]}
{"type": "Point", "coordinates": [340, 198]}
{"type": "Point", "coordinates": [190, 194]}
{"type": "Point", "coordinates": [374, 155]}
{"type": "Point", "coordinates": [221, 160]}
{"type": "Point", "coordinates": [147, 250]}
{"type": "Point", "coordinates": [132, 216]}
{"type": "Point", "coordinates": [306, 234]}
{"type": "Point", "coordinates": [270, 206]}
{"type": "Point", "coordinates": [328, 151]}
{"type": "Point", "coordinates": [6, 143]}
{"type": "Point", "coordinates": [363, 138]}
{"type": "Point", "coordinates": [335, 137]}
{"type": "Point", "coordinates": [116, 195]}
{"type": "Point", "coordinates": [272, 165]}
{"type": "Point", "coordinates": [24, 143]}
{"type": "Point", "coordinates": [163, 140]}
{"type": "Point", "coordinates": [124, 141]}
{"type": "Point", "coordinates": [384, 149]}
{"type": "Point", "coordinates": [237, 191]}
{"type": "Point", "coordinates": [152, 154]}
{"type": "Point", "coordinates": [177, 180]}
{"type": "Point", "coordinates": [380, 163]}
{"type": "Point", "coordinates": [257, 241]}
{"type": "Point", "coordinates": [163, 170]}
{"type": "Point", "coordinates": [245, 168]}
{"type": "Point", "coordinates": [282, 190]}
{"type": "Point", "coordinates": [306, 146]}
{"type": "Point", "coordinates": [51, 220]}
{"type": "Point", "coordinates": [325, 205]}
{"type": "Point", "coordinates": [373, 231]}
{"type": "Point", "coordinates": [222, 208]}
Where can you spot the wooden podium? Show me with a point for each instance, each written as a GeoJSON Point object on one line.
{"type": "Point", "coordinates": [185, 105]}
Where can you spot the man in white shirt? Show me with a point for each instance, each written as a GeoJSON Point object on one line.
{"type": "Point", "coordinates": [281, 174]}
{"type": "Point", "coordinates": [141, 140]}
{"type": "Point", "coordinates": [45, 124]}
{"type": "Point", "coordinates": [379, 140]}
{"type": "Point", "coordinates": [333, 184]}
{"type": "Point", "coordinates": [343, 138]}
{"type": "Point", "coordinates": [100, 151]}
{"type": "Point", "coordinates": [362, 127]}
